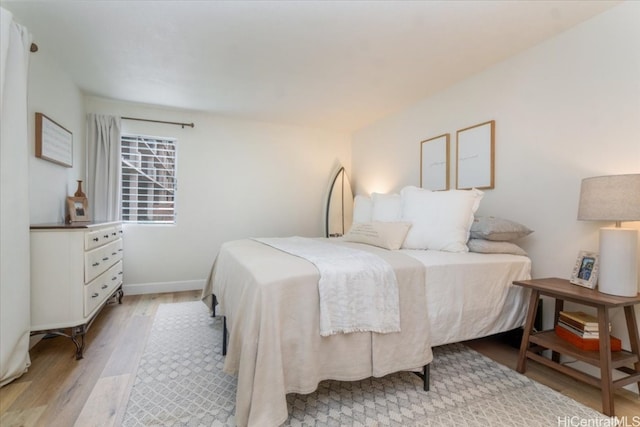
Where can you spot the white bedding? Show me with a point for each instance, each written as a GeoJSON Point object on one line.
{"type": "Point", "coordinates": [358, 290]}
{"type": "Point", "coordinates": [471, 295]}
{"type": "Point", "coordinates": [270, 299]}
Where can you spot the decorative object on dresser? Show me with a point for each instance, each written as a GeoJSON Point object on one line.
{"type": "Point", "coordinates": [79, 192]}
{"type": "Point", "coordinates": [604, 358]}
{"type": "Point", "coordinates": [585, 270]}
{"type": "Point", "coordinates": [53, 142]}
{"type": "Point", "coordinates": [75, 270]}
{"type": "Point", "coordinates": [78, 209]}
{"type": "Point", "coordinates": [434, 163]}
{"type": "Point", "coordinates": [475, 156]}
{"type": "Point", "coordinates": [614, 198]}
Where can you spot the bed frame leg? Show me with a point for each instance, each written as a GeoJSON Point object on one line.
{"type": "Point", "coordinates": [224, 335]}
{"type": "Point", "coordinates": [214, 302]}
{"type": "Point", "coordinates": [425, 377]}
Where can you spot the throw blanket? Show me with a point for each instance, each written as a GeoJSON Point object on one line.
{"type": "Point", "coordinates": [358, 290]}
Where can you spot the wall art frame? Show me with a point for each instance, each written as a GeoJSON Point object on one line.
{"type": "Point", "coordinates": [475, 156]}
{"type": "Point", "coordinates": [434, 163]}
{"type": "Point", "coordinates": [53, 142]}
{"type": "Point", "coordinates": [585, 270]}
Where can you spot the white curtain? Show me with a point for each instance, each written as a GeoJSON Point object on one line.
{"type": "Point", "coordinates": [15, 313]}
{"type": "Point", "coordinates": [103, 167]}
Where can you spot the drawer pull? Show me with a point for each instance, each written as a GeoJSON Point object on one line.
{"type": "Point", "coordinates": [113, 234]}
{"type": "Point", "coordinates": [95, 295]}
{"type": "Point", "coordinates": [95, 239]}
{"type": "Point", "coordinates": [120, 272]}
{"type": "Point", "coordinates": [104, 287]}
{"type": "Point", "coordinates": [106, 236]}
{"type": "Point", "coordinates": [105, 258]}
{"type": "Point", "coordinates": [114, 278]}
{"type": "Point", "coordinates": [95, 264]}
{"type": "Point", "coordinates": [114, 253]}
{"type": "Point", "coordinates": [119, 250]}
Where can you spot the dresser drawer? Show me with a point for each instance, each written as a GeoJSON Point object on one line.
{"type": "Point", "coordinates": [100, 259]}
{"type": "Point", "coordinates": [101, 287]}
{"type": "Point", "coordinates": [95, 238]}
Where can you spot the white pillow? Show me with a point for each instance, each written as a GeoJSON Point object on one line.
{"type": "Point", "coordinates": [441, 219]}
{"type": "Point", "coordinates": [388, 235]}
{"type": "Point", "coordinates": [362, 208]}
{"type": "Point", "coordinates": [386, 207]}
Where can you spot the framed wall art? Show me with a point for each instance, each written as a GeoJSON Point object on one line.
{"type": "Point", "coordinates": [585, 270]}
{"type": "Point", "coordinates": [475, 156]}
{"type": "Point", "coordinates": [434, 163]}
{"type": "Point", "coordinates": [53, 142]}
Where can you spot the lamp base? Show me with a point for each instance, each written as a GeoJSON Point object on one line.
{"type": "Point", "coordinates": [618, 270]}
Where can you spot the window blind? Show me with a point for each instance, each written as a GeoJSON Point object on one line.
{"type": "Point", "coordinates": [148, 179]}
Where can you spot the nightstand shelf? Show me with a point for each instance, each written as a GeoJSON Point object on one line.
{"type": "Point", "coordinates": [605, 359]}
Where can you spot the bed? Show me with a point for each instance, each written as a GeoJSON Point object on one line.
{"type": "Point", "coordinates": [270, 301]}
{"type": "Point", "coordinates": [274, 313]}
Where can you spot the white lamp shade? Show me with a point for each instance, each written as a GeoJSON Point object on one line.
{"type": "Point", "coordinates": [610, 198]}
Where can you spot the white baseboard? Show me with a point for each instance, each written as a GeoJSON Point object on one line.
{"type": "Point", "coordinates": [162, 287]}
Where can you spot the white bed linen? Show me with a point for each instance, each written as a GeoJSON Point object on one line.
{"type": "Point", "coordinates": [471, 295]}
{"type": "Point", "coordinates": [271, 302]}
{"type": "Point", "coordinates": [358, 290]}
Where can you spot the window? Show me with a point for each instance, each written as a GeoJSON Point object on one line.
{"type": "Point", "coordinates": [148, 179]}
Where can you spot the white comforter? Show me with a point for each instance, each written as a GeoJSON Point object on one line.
{"type": "Point", "coordinates": [271, 302]}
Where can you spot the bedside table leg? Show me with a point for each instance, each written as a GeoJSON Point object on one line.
{"type": "Point", "coordinates": [528, 327]}
{"type": "Point", "coordinates": [555, 356]}
{"type": "Point", "coordinates": [632, 328]}
{"type": "Point", "coordinates": [605, 362]}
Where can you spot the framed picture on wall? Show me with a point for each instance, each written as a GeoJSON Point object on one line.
{"type": "Point", "coordinates": [434, 163]}
{"type": "Point", "coordinates": [53, 142]}
{"type": "Point", "coordinates": [585, 270]}
{"type": "Point", "coordinates": [475, 156]}
{"type": "Point", "coordinates": [78, 208]}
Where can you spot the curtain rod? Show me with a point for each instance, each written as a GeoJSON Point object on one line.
{"type": "Point", "coordinates": [159, 121]}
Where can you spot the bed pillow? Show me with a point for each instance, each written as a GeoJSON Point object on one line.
{"type": "Point", "coordinates": [386, 207]}
{"type": "Point", "coordinates": [441, 219]}
{"type": "Point", "coordinates": [362, 208]}
{"type": "Point", "coordinates": [497, 229]}
{"type": "Point", "coordinates": [388, 235]}
{"type": "Point", "coordinates": [492, 247]}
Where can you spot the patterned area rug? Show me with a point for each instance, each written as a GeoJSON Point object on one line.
{"type": "Point", "coordinates": [180, 383]}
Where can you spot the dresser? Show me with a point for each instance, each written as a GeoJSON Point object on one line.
{"type": "Point", "coordinates": [75, 269]}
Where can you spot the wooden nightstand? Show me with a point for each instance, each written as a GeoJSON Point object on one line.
{"type": "Point", "coordinates": [562, 291]}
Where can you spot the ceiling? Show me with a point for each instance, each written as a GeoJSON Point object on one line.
{"type": "Point", "coordinates": [330, 64]}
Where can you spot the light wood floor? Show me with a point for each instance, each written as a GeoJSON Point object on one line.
{"type": "Point", "coordinates": [57, 390]}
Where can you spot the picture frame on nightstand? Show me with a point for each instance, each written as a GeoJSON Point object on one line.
{"type": "Point", "coordinates": [585, 270]}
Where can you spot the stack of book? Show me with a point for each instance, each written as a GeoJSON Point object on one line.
{"type": "Point", "coordinates": [581, 330]}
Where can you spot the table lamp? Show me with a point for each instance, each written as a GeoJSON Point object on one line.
{"type": "Point", "coordinates": [614, 198]}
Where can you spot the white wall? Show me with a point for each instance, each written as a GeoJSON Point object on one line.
{"type": "Point", "coordinates": [236, 179]}
{"type": "Point", "coordinates": [566, 109]}
{"type": "Point", "coordinates": [53, 93]}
